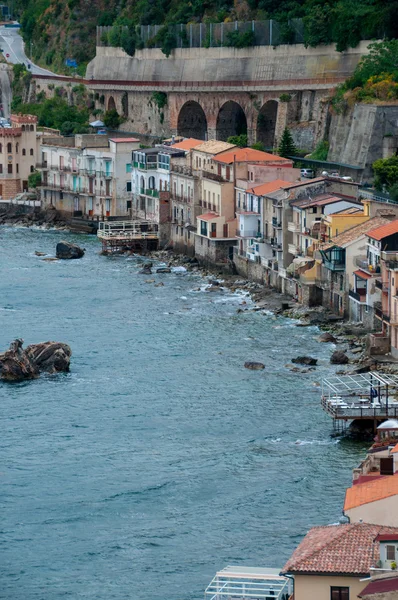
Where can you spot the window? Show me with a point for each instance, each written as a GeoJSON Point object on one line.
{"type": "Point", "coordinates": [339, 593]}
{"type": "Point", "coordinates": [23, 152]}
{"type": "Point", "coordinates": [128, 204]}
{"type": "Point", "coordinates": [129, 168]}
{"type": "Point", "coordinates": [1, 148]}
{"type": "Point", "coordinates": [228, 173]}
{"type": "Point", "coordinates": [314, 210]}
{"type": "Point", "coordinates": [164, 161]}
{"type": "Point", "coordinates": [9, 147]}
{"type": "Point", "coordinates": [17, 168]}
{"type": "Point", "coordinates": [390, 552]}
{"type": "Point", "coordinates": [32, 128]}
{"type": "Point", "coordinates": [1, 168]}
{"type": "Point", "coordinates": [128, 186]}
{"type": "Point", "coordinates": [9, 168]}
{"type": "Point", "coordinates": [16, 148]}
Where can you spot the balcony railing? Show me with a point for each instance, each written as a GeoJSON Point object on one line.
{"type": "Point", "coordinates": [249, 233]}
{"type": "Point", "coordinates": [333, 265]}
{"type": "Point", "coordinates": [392, 265]}
{"type": "Point", "coordinates": [358, 296]}
{"type": "Point", "coordinates": [42, 165]}
{"type": "Point", "coordinates": [151, 192]}
{"type": "Point", "coordinates": [379, 284]}
{"type": "Point", "coordinates": [365, 266]}
{"type": "Point", "coordinates": [276, 223]}
{"type": "Point", "coordinates": [184, 199]}
{"type": "Point", "coordinates": [293, 227]}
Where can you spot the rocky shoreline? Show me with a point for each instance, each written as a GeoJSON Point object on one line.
{"type": "Point", "coordinates": [349, 339]}
{"type": "Point", "coordinates": [22, 216]}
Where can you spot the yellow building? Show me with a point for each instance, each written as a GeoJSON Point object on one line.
{"type": "Point", "coordinates": [343, 220]}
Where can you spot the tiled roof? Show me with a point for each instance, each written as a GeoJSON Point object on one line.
{"type": "Point", "coordinates": [371, 491]}
{"type": "Point", "coordinates": [272, 186]}
{"type": "Point", "coordinates": [187, 144]}
{"type": "Point", "coordinates": [380, 586]}
{"type": "Point", "coordinates": [338, 549]}
{"type": "Point", "coordinates": [323, 200]}
{"type": "Point", "coordinates": [214, 147]}
{"type": "Point", "coordinates": [248, 155]}
{"type": "Point", "coordinates": [208, 216]}
{"type": "Point", "coordinates": [362, 274]}
{"type": "Point", "coordinates": [384, 231]}
{"type": "Point", "coordinates": [352, 234]}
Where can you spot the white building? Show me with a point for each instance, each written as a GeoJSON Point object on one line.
{"type": "Point", "coordinates": [88, 175]}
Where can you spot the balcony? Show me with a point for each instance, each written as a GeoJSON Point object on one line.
{"type": "Point", "coordinates": [379, 284]}
{"type": "Point", "coordinates": [151, 192]}
{"type": "Point", "coordinates": [358, 296]}
{"type": "Point", "coordinates": [276, 223]}
{"type": "Point", "coordinates": [248, 233]}
{"type": "Point", "coordinates": [293, 227]}
{"type": "Point", "coordinates": [275, 244]}
{"type": "Point", "coordinates": [293, 249]}
{"type": "Point", "coordinates": [334, 265]}
{"type": "Point", "coordinates": [365, 266]}
{"type": "Point", "coordinates": [183, 199]}
{"type": "Point", "coordinates": [392, 265]}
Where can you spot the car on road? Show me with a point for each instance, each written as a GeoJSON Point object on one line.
{"type": "Point", "coordinates": [308, 173]}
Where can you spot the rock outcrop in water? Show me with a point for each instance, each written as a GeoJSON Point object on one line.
{"type": "Point", "coordinates": [67, 250]}
{"type": "Point", "coordinates": [17, 364]}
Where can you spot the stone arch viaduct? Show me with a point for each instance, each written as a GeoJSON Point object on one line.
{"type": "Point", "coordinates": [218, 92]}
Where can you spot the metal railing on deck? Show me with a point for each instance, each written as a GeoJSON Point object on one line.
{"type": "Point", "coordinates": [127, 230]}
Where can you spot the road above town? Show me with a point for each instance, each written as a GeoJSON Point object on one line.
{"type": "Point", "coordinates": [12, 44]}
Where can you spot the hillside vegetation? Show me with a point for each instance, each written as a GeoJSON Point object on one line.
{"type": "Point", "coordinates": [60, 29]}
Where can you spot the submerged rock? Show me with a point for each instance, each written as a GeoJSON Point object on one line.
{"type": "Point", "coordinates": [145, 271]}
{"type": "Point", "coordinates": [17, 364]}
{"type": "Point", "coordinates": [163, 270]}
{"type": "Point", "coordinates": [255, 366]}
{"type": "Point", "coordinates": [68, 251]}
{"type": "Point", "coordinates": [305, 360]}
{"type": "Point", "coordinates": [40, 253]}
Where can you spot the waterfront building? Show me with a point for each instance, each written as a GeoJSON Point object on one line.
{"type": "Point", "coordinates": [375, 500]}
{"type": "Point", "coordinates": [216, 223]}
{"type": "Point", "coordinates": [332, 561]}
{"type": "Point", "coordinates": [184, 198]}
{"type": "Point", "coordinates": [18, 154]}
{"type": "Point", "coordinates": [87, 175]}
{"type": "Point", "coordinates": [336, 270]}
{"type": "Point", "coordinates": [382, 264]}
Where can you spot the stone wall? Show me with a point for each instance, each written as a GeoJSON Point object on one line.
{"type": "Point", "coordinates": [364, 134]}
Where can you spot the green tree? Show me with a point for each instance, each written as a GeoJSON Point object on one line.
{"type": "Point", "coordinates": [112, 119]}
{"type": "Point", "coordinates": [34, 179]}
{"type": "Point", "coordinates": [386, 172]}
{"type": "Point", "coordinates": [258, 146]}
{"type": "Point", "coordinates": [238, 140]}
{"type": "Point", "coordinates": [287, 146]}
{"type": "Point", "coordinates": [317, 26]}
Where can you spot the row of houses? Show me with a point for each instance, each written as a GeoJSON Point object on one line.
{"type": "Point", "coordinates": [319, 240]}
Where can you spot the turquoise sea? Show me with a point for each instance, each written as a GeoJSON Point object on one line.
{"type": "Point", "coordinates": [158, 459]}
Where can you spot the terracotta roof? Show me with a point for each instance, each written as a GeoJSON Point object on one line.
{"type": "Point", "coordinates": [323, 200]}
{"type": "Point", "coordinates": [208, 216]}
{"type": "Point", "coordinates": [187, 144]}
{"type": "Point", "coordinates": [384, 231]}
{"type": "Point", "coordinates": [371, 491]}
{"type": "Point", "coordinates": [214, 147]}
{"type": "Point", "coordinates": [362, 274]}
{"type": "Point", "coordinates": [338, 549]}
{"type": "Point", "coordinates": [248, 155]}
{"type": "Point", "coordinates": [121, 140]}
{"type": "Point", "coordinates": [395, 449]}
{"type": "Point", "coordinates": [352, 234]}
{"type": "Point", "coordinates": [272, 186]}
{"type": "Point", "coordinates": [380, 586]}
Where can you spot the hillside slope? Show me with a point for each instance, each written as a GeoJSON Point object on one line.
{"type": "Point", "coordinates": [60, 29]}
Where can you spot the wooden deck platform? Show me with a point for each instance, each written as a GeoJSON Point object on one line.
{"type": "Point", "coordinates": [128, 236]}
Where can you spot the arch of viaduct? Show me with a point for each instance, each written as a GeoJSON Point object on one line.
{"type": "Point", "coordinates": [262, 116]}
